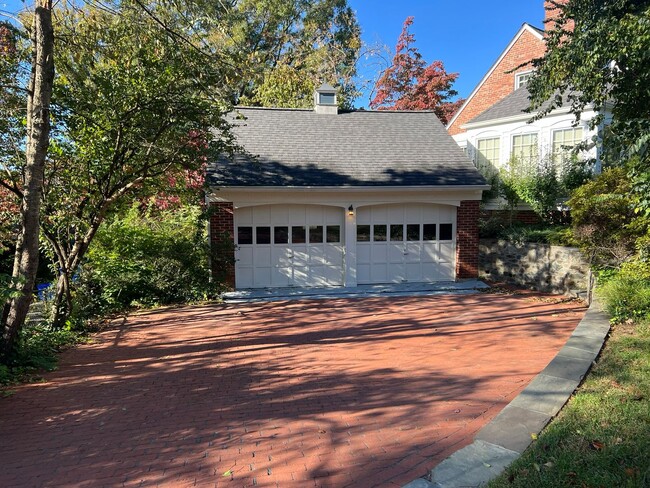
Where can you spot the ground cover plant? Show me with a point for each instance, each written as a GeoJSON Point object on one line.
{"type": "Point", "coordinates": [602, 436]}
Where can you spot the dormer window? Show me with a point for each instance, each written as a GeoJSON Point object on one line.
{"type": "Point", "coordinates": [522, 78]}
{"type": "Point", "coordinates": [325, 100]}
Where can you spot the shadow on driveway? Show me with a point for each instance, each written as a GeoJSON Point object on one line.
{"type": "Point", "coordinates": [344, 392]}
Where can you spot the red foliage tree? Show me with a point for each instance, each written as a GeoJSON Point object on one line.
{"type": "Point", "coordinates": [409, 84]}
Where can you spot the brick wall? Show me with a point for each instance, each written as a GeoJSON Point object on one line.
{"type": "Point", "coordinates": [467, 239]}
{"type": "Point", "coordinates": [551, 12]}
{"type": "Point", "coordinates": [222, 232]}
{"type": "Point", "coordinates": [501, 83]}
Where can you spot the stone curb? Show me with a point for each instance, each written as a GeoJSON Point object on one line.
{"type": "Point", "coordinates": [508, 435]}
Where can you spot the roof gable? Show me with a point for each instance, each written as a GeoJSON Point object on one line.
{"type": "Point", "coordinates": [525, 28]}
{"type": "Point", "coordinates": [300, 148]}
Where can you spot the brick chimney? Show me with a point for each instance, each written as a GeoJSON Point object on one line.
{"type": "Point", "coordinates": [551, 12]}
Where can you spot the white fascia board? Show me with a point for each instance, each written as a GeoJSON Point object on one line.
{"type": "Point", "coordinates": [525, 27]}
{"type": "Point", "coordinates": [446, 188]}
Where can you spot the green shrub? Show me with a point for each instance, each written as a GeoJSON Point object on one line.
{"type": "Point", "coordinates": [626, 293]}
{"type": "Point", "coordinates": [605, 223]}
{"type": "Point", "coordinates": [36, 350]}
{"type": "Point", "coordinates": [148, 257]}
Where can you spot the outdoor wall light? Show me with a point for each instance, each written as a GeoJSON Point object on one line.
{"type": "Point", "coordinates": [350, 210]}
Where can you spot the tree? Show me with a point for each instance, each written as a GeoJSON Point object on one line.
{"type": "Point", "coordinates": [138, 102]}
{"type": "Point", "coordinates": [29, 187]}
{"type": "Point", "coordinates": [408, 84]}
{"type": "Point", "coordinates": [597, 54]}
{"type": "Point", "coordinates": [302, 42]}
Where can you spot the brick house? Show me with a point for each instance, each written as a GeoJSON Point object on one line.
{"type": "Point", "coordinates": [328, 198]}
{"type": "Point", "coordinates": [493, 126]}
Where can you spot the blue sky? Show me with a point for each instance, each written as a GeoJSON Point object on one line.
{"type": "Point", "coordinates": [466, 35]}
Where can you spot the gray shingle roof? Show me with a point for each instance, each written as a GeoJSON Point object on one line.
{"type": "Point", "coordinates": [514, 104]}
{"type": "Point", "coordinates": [298, 148]}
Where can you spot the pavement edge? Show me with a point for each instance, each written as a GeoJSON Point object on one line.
{"type": "Point", "coordinates": [510, 433]}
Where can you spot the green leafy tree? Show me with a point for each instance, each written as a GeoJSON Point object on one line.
{"type": "Point", "coordinates": [288, 47]}
{"type": "Point", "coordinates": [139, 103]}
{"type": "Point", "coordinates": [597, 55]}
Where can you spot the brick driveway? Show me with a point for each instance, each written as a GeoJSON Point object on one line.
{"type": "Point", "coordinates": [343, 392]}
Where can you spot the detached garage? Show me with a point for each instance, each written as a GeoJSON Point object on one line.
{"type": "Point", "coordinates": [327, 198]}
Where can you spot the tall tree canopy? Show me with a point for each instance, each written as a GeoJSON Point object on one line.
{"type": "Point", "coordinates": [409, 84]}
{"type": "Point", "coordinates": [289, 47]}
{"type": "Point", "coordinates": [598, 54]}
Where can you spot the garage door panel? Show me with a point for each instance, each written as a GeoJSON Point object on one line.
{"type": "Point", "coordinates": [280, 276]}
{"type": "Point", "coordinates": [300, 256]}
{"type": "Point", "coordinates": [395, 253]}
{"type": "Point", "coordinates": [379, 273]}
{"type": "Point", "coordinates": [317, 255]}
{"type": "Point", "coordinates": [447, 252]}
{"type": "Point", "coordinates": [363, 254]}
{"type": "Point", "coordinates": [281, 262]}
{"type": "Point", "coordinates": [245, 256]}
{"type": "Point", "coordinates": [334, 255]}
{"type": "Point", "coordinates": [262, 277]}
{"type": "Point", "coordinates": [379, 253]}
{"type": "Point", "coordinates": [414, 254]}
{"type": "Point", "coordinates": [429, 252]}
{"type": "Point", "coordinates": [262, 257]}
{"type": "Point", "coordinates": [413, 272]}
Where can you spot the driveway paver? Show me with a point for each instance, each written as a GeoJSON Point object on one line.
{"type": "Point", "coordinates": [340, 392]}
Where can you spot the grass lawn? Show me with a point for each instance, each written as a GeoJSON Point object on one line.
{"type": "Point", "coordinates": [602, 436]}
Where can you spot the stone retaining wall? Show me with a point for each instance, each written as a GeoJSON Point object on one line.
{"type": "Point", "coordinates": [541, 267]}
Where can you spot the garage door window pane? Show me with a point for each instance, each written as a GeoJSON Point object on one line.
{"type": "Point", "coordinates": [445, 232]}
{"type": "Point", "coordinates": [379, 233]}
{"type": "Point", "coordinates": [429, 232]}
{"type": "Point", "coordinates": [412, 232]}
{"type": "Point", "coordinates": [333, 233]}
{"type": "Point", "coordinates": [263, 235]}
{"type": "Point", "coordinates": [298, 234]}
{"type": "Point", "coordinates": [281, 235]}
{"type": "Point", "coordinates": [244, 235]}
{"type": "Point", "coordinates": [363, 233]}
{"type": "Point", "coordinates": [316, 234]}
{"type": "Point", "coordinates": [396, 232]}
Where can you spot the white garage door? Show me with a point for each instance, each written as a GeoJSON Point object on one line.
{"type": "Point", "coordinates": [406, 243]}
{"type": "Point", "coordinates": [289, 245]}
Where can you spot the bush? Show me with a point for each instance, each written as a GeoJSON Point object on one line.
{"type": "Point", "coordinates": [605, 223]}
{"type": "Point", "coordinates": [37, 348]}
{"type": "Point", "coordinates": [146, 258]}
{"type": "Point", "coordinates": [626, 293]}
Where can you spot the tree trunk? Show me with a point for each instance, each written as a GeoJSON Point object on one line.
{"type": "Point", "coordinates": [38, 137]}
{"type": "Point", "coordinates": [62, 305]}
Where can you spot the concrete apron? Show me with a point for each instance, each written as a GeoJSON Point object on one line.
{"type": "Point", "coordinates": [508, 435]}
{"type": "Point", "coordinates": [361, 291]}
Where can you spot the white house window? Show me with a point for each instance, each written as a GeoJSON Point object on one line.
{"type": "Point", "coordinates": [524, 149]}
{"type": "Point", "coordinates": [487, 153]}
{"type": "Point", "coordinates": [563, 141]}
{"type": "Point", "coordinates": [522, 78]}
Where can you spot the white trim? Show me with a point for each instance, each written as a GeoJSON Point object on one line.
{"type": "Point", "coordinates": [446, 188]}
{"type": "Point", "coordinates": [524, 27]}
